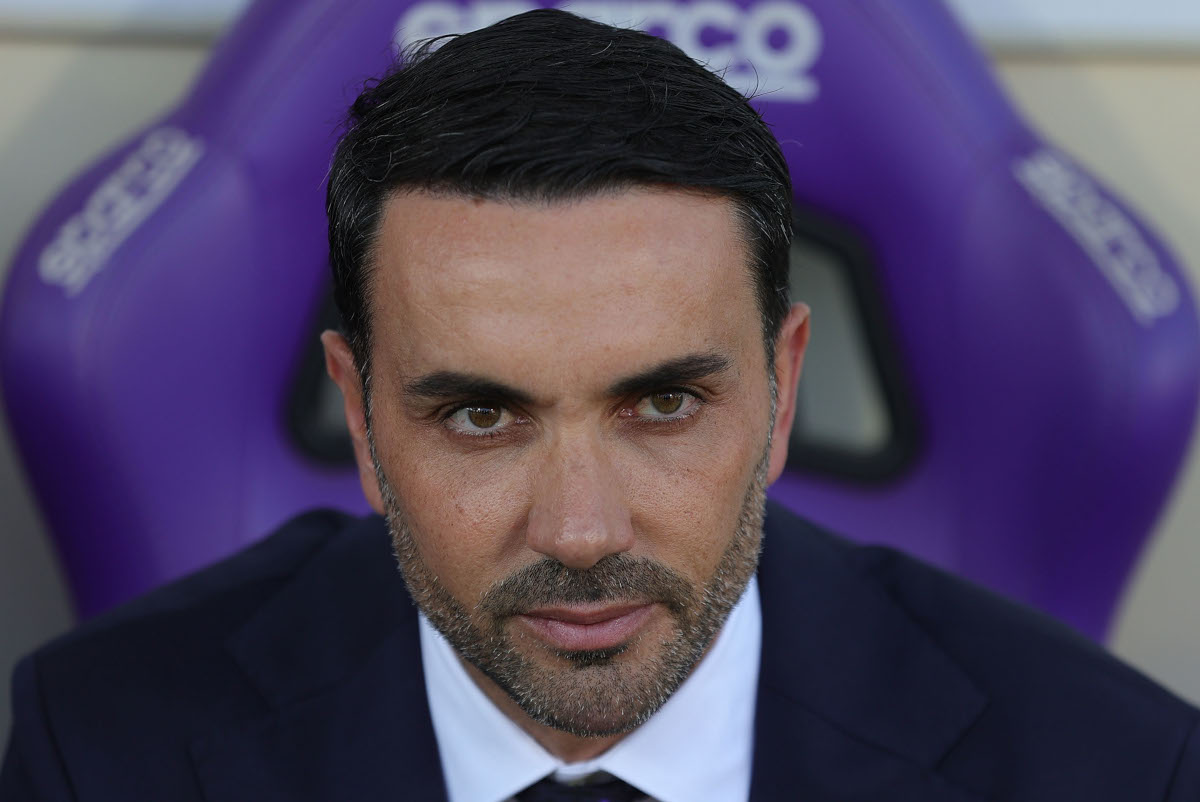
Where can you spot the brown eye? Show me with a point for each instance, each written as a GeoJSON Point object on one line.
{"type": "Point", "coordinates": [666, 403]}
{"type": "Point", "coordinates": [665, 406]}
{"type": "Point", "coordinates": [481, 420]}
{"type": "Point", "coordinates": [483, 417]}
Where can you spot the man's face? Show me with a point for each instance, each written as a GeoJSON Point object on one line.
{"type": "Point", "coordinates": [570, 422]}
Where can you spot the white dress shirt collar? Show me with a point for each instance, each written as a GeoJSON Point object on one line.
{"type": "Point", "coordinates": [699, 745]}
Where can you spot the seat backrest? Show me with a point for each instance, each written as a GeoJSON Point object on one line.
{"type": "Point", "coordinates": [1035, 344]}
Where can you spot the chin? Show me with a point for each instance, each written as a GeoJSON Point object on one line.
{"type": "Point", "coordinates": [596, 693]}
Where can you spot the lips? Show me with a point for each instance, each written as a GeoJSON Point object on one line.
{"type": "Point", "coordinates": [586, 627]}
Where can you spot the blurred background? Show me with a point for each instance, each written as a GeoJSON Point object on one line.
{"type": "Point", "coordinates": [1113, 84]}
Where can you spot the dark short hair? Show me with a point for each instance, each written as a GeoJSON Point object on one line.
{"type": "Point", "coordinates": [548, 106]}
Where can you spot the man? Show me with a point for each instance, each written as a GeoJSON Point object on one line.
{"type": "Point", "coordinates": [569, 369]}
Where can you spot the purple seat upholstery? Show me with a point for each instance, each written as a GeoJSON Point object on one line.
{"type": "Point", "coordinates": [1043, 342]}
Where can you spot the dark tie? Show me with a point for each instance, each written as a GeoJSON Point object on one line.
{"type": "Point", "coordinates": [609, 790]}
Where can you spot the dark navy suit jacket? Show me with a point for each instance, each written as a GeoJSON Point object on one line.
{"type": "Point", "coordinates": [292, 672]}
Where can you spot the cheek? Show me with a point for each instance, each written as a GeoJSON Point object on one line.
{"type": "Point", "coordinates": [686, 495]}
{"type": "Point", "coordinates": [466, 513]}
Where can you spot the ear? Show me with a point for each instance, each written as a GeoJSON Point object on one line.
{"type": "Point", "coordinates": [339, 362]}
{"type": "Point", "coordinates": [790, 346]}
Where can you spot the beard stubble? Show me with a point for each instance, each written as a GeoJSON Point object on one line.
{"type": "Point", "coordinates": [592, 693]}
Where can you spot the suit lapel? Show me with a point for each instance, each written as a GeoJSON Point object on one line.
{"type": "Point", "coordinates": [854, 702]}
{"type": "Point", "coordinates": [336, 656]}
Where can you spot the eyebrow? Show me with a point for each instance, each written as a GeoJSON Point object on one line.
{"type": "Point", "coordinates": [448, 384]}
{"type": "Point", "coordinates": [681, 370]}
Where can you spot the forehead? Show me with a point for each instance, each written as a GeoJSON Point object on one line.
{"type": "Point", "coordinates": [605, 278]}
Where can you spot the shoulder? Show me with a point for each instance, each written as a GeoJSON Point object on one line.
{"type": "Point", "coordinates": [208, 604]}
{"type": "Point", "coordinates": [1059, 708]}
{"type": "Point", "coordinates": [120, 695]}
{"type": "Point", "coordinates": [1011, 648]}
{"type": "Point", "coordinates": [1003, 645]}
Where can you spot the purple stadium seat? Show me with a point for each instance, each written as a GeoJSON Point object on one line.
{"type": "Point", "coordinates": [1035, 346]}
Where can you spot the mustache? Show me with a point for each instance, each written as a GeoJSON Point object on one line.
{"type": "Point", "coordinates": [615, 577]}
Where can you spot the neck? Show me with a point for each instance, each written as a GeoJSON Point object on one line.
{"type": "Point", "coordinates": [563, 745]}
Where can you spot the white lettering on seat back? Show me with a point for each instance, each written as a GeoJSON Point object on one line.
{"type": "Point", "coordinates": [768, 48]}
{"type": "Point", "coordinates": [1104, 231]}
{"type": "Point", "coordinates": [114, 210]}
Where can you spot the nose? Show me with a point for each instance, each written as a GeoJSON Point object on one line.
{"type": "Point", "coordinates": [579, 514]}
